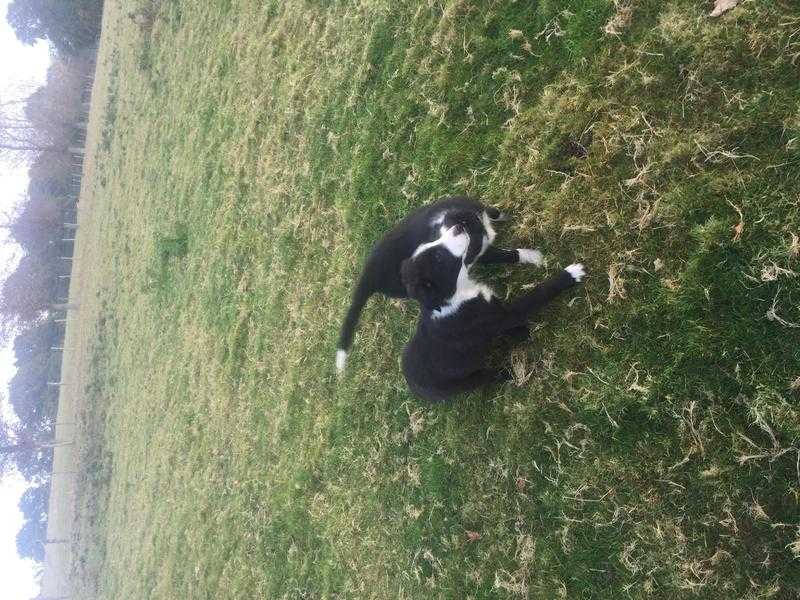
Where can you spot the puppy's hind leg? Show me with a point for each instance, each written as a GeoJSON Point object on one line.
{"type": "Point", "coordinates": [471, 382]}
{"type": "Point", "coordinates": [518, 333]}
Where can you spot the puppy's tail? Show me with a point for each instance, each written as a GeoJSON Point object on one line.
{"type": "Point", "coordinates": [360, 297]}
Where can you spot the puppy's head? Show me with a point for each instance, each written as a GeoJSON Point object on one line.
{"type": "Point", "coordinates": [431, 274]}
{"type": "Point", "coordinates": [473, 224]}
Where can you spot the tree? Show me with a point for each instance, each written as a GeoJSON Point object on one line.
{"type": "Point", "coordinates": [49, 179]}
{"type": "Point", "coordinates": [23, 18]}
{"type": "Point", "coordinates": [39, 222]}
{"type": "Point", "coordinates": [27, 443]}
{"type": "Point", "coordinates": [67, 25]}
{"type": "Point", "coordinates": [34, 402]}
{"type": "Point", "coordinates": [33, 344]}
{"type": "Point", "coordinates": [20, 449]}
{"type": "Point", "coordinates": [10, 447]}
{"type": "Point", "coordinates": [46, 120]}
{"type": "Point", "coordinates": [19, 137]}
{"type": "Point", "coordinates": [32, 535]}
{"type": "Point", "coordinates": [54, 109]}
{"type": "Point", "coordinates": [59, 99]}
{"type": "Point", "coordinates": [26, 295]}
{"type": "Point", "coordinates": [15, 443]}
{"type": "Point", "coordinates": [35, 466]}
{"type": "Point", "coordinates": [6, 440]}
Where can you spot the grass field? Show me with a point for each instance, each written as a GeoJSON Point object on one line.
{"type": "Point", "coordinates": [247, 155]}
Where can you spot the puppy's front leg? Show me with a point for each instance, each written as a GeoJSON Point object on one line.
{"type": "Point", "coordinates": [521, 309]}
{"type": "Point", "coordinates": [520, 255]}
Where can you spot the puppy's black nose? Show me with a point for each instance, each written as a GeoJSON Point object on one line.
{"type": "Point", "coordinates": [458, 228]}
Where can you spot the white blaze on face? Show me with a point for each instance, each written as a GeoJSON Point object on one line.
{"type": "Point", "coordinates": [490, 234]}
{"type": "Point", "coordinates": [455, 243]}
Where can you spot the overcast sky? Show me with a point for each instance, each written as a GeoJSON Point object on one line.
{"type": "Point", "coordinates": [20, 65]}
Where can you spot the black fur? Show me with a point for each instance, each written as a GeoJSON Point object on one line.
{"type": "Point", "coordinates": [448, 353]}
{"type": "Point", "coordinates": [381, 272]}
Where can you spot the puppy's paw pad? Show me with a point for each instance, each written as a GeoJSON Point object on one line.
{"type": "Point", "coordinates": [576, 271]}
{"type": "Point", "coordinates": [530, 257]}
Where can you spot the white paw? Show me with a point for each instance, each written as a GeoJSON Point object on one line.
{"type": "Point", "coordinates": [576, 271]}
{"type": "Point", "coordinates": [531, 257]}
{"type": "Point", "coordinates": [341, 361]}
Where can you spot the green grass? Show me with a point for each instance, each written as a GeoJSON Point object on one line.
{"type": "Point", "coordinates": [248, 156]}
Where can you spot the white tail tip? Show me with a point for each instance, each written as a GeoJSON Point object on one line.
{"type": "Point", "coordinates": [341, 361]}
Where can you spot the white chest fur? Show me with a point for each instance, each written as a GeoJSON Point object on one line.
{"type": "Point", "coordinates": [466, 290]}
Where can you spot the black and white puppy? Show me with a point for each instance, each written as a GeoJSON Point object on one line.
{"type": "Point", "coordinates": [381, 272]}
{"type": "Point", "coordinates": [460, 318]}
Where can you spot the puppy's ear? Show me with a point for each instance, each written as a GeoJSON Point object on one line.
{"type": "Point", "coordinates": [476, 233]}
{"type": "Point", "coordinates": [409, 273]}
{"type": "Point", "coordinates": [420, 287]}
{"type": "Point", "coordinates": [496, 215]}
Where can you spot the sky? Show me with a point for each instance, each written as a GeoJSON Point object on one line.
{"type": "Point", "coordinates": [21, 65]}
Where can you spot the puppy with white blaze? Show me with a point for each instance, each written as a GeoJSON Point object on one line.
{"type": "Point", "coordinates": [460, 318]}
{"type": "Point", "coordinates": [381, 272]}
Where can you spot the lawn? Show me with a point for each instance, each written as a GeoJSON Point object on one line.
{"type": "Point", "coordinates": [245, 157]}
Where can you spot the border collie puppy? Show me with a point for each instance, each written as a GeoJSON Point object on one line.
{"type": "Point", "coordinates": [460, 318]}
{"type": "Point", "coordinates": [381, 272]}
